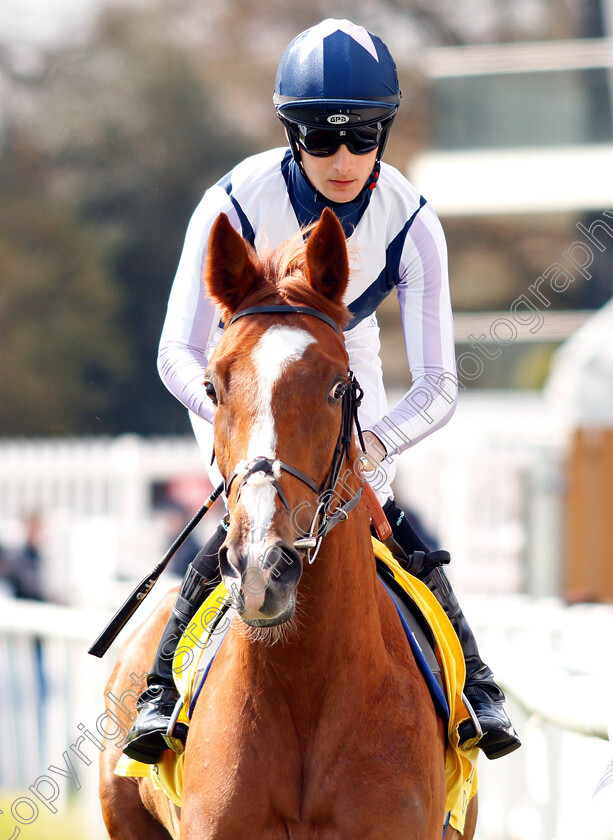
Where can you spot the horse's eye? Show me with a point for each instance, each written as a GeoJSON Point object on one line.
{"type": "Point", "coordinates": [337, 391]}
{"type": "Point", "coordinates": [210, 392]}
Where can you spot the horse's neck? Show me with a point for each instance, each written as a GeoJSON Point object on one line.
{"type": "Point", "coordinates": [341, 581]}
{"type": "Point", "coordinates": [337, 616]}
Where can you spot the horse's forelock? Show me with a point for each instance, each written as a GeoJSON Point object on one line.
{"type": "Point", "coordinates": [283, 280]}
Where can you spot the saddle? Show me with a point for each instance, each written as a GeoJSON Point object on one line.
{"type": "Point", "coordinates": [420, 636]}
{"type": "Point", "coordinates": [430, 635]}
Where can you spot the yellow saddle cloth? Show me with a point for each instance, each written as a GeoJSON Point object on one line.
{"type": "Point", "coordinates": [460, 764]}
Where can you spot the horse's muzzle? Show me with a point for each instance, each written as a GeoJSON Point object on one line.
{"type": "Point", "coordinates": [261, 580]}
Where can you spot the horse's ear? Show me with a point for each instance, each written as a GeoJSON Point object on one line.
{"type": "Point", "coordinates": [230, 272]}
{"type": "Point", "coordinates": [326, 256]}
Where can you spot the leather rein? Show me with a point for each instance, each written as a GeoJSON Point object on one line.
{"type": "Point", "coordinates": [324, 519]}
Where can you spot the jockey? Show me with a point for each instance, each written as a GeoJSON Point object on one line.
{"type": "Point", "coordinates": [336, 94]}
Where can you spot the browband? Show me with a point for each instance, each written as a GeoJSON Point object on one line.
{"type": "Point", "coordinates": [289, 308]}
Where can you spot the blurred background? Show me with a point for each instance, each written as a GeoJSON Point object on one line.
{"type": "Point", "coordinates": [114, 118]}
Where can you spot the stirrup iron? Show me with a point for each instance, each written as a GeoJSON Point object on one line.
{"type": "Point", "coordinates": [175, 743]}
{"type": "Point", "coordinates": [471, 740]}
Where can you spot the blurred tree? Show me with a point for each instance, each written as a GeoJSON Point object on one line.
{"type": "Point", "coordinates": [62, 351]}
{"type": "Point", "coordinates": [128, 139]}
{"type": "Point", "coordinates": [135, 140]}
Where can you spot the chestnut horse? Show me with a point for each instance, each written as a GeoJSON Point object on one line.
{"type": "Point", "coordinates": [314, 720]}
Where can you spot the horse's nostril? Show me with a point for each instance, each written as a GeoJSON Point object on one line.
{"type": "Point", "coordinates": [272, 555]}
{"type": "Point", "coordinates": [280, 557]}
{"type": "Point", "coordinates": [228, 562]}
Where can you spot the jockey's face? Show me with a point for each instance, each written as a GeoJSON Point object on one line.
{"type": "Point", "coordinates": [339, 177]}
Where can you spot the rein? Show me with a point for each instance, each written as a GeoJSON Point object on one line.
{"type": "Point", "coordinates": [324, 520]}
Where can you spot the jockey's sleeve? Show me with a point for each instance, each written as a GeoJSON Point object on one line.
{"type": "Point", "coordinates": [191, 318]}
{"type": "Point", "coordinates": [427, 324]}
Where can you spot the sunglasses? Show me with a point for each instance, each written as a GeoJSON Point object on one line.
{"type": "Point", "coordinates": [323, 142]}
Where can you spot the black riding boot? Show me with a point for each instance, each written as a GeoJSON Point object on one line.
{"type": "Point", "coordinates": [482, 692]}
{"type": "Point", "coordinates": [149, 737]}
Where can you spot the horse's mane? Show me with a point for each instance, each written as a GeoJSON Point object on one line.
{"type": "Point", "coordinates": [283, 280]}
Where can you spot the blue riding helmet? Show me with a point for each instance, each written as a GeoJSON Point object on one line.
{"type": "Point", "coordinates": [336, 77]}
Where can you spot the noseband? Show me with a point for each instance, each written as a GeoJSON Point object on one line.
{"type": "Point", "coordinates": [323, 520]}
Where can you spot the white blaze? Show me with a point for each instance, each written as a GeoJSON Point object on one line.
{"type": "Point", "coordinates": [277, 348]}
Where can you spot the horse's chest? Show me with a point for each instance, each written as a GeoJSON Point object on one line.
{"type": "Point", "coordinates": [273, 771]}
{"type": "Point", "coordinates": [262, 785]}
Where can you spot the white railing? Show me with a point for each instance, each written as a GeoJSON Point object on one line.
{"type": "Point", "coordinates": [490, 485]}
{"type": "Point", "coordinates": [52, 697]}
{"type": "Point", "coordinates": [96, 502]}
{"type": "Point", "coordinates": [90, 476]}
{"type": "Point", "coordinates": [49, 687]}
{"type": "Point", "coordinates": [552, 661]}
{"type": "Point", "coordinates": [487, 485]}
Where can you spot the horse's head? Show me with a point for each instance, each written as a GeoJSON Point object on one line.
{"type": "Point", "coordinates": [278, 380]}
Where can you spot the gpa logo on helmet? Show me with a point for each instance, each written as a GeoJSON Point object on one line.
{"type": "Point", "coordinates": [338, 119]}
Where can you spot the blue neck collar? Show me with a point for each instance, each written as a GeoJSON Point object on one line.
{"type": "Point", "coordinates": [308, 203]}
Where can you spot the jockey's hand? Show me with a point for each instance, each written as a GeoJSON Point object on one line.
{"type": "Point", "coordinates": [374, 451]}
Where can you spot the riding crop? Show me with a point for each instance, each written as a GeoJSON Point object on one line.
{"type": "Point", "coordinates": [125, 612]}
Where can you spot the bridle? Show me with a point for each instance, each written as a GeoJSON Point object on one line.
{"type": "Point", "coordinates": [323, 520]}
